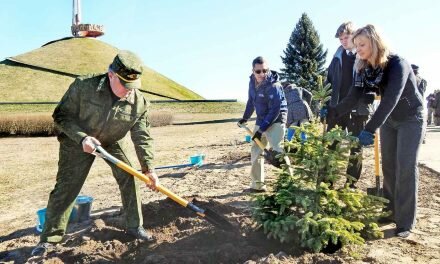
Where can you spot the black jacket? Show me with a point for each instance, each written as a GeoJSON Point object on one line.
{"type": "Point", "coordinates": [334, 77]}
{"type": "Point", "coordinates": [400, 98]}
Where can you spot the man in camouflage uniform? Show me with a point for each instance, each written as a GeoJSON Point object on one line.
{"type": "Point", "coordinates": [100, 110]}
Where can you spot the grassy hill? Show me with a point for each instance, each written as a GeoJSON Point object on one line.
{"type": "Point", "coordinates": [37, 75]}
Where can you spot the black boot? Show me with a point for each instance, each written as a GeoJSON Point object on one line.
{"type": "Point", "coordinates": [42, 248]}
{"type": "Point", "coordinates": [140, 233]}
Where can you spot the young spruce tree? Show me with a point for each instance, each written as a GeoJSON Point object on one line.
{"type": "Point", "coordinates": [304, 57]}
{"type": "Point", "coordinates": [311, 203]}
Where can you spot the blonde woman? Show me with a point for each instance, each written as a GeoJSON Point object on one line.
{"type": "Point", "coordinates": [399, 115]}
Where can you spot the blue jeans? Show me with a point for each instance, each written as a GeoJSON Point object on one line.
{"type": "Point", "coordinates": [400, 142]}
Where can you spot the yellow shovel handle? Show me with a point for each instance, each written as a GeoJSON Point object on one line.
{"type": "Point", "coordinates": [251, 134]}
{"type": "Point", "coordinates": [376, 154]}
{"type": "Point", "coordinates": [125, 167]}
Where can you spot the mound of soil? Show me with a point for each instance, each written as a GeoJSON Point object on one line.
{"type": "Point", "coordinates": [181, 237]}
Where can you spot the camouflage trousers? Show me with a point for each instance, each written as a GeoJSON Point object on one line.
{"type": "Point", "coordinates": [73, 168]}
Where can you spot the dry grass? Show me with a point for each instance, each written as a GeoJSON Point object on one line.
{"type": "Point", "coordinates": [41, 124]}
{"type": "Point", "coordinates": [158, 119]}
{"type": "Point", "coordinates": [27, 125]}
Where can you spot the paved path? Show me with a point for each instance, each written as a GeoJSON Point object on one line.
{"type": "Point", "coordinates": [430, 151]}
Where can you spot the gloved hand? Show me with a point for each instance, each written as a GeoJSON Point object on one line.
{"type": "Point", "coordinates": [328, 113]}
{"type": "Point", "coordinates": [366, 138]}
{"type": "Point", "coordinates": [323, 112]}
{"type": "Point", "coordinates": [257, 135]}
{"type": "Point", "coordinates": [303, 137]}
{"type": "Point", "coordinates": [89, 144]}
{"type": "Point", "coordinates": [241, 122]}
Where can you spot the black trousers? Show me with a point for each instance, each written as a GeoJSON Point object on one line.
{"type": "Point", "coordinates": [354, 124]}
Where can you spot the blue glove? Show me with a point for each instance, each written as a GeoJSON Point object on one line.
{"type": "Point", "coordinates": [366, 138]}
{"type": "Point", "coordinates": [323, 112]}
{"type": "Point", "coordinates": [290, 133]}
{"type": "Point", "coordinates": [303, 137]}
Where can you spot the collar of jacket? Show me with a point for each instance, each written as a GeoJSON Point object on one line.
{"type": "Point", "coordinates": [271, 77]}
{"type": "Point", "coordinates": [101, 87]}
{"type": "Point", "coordinates": [338, 54]}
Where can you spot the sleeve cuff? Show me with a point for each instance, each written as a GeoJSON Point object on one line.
{"type": "Point", "coordinates": [369, 129]}
{"type": "Point", "coordinates": [79, 136]}
{"type": "Point", "coordinates": [264, 126]}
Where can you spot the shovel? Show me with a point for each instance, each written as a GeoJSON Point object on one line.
{"type": "Point", "coordinates": [209, 215]}
{"type": "Point", "coordinates": [377, 191]}
{"type": "Point", "coordinates": [269, 155]}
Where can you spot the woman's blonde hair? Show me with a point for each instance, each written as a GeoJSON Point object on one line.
{"type": "Point", "coordinates": [380, 50]}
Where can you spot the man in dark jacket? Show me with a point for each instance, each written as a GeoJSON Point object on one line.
{"type": "Point", "coordinates": [298, 104]}
{"type": "Point", "coordinates": [100, 110]}
{"type": "Point", "coordinates": [340, 76]}
{"type": "Point", "coordinates": [266, 97]}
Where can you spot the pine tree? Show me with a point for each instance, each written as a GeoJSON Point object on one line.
{"type": "Point", "coordinates": [304, 57]}
{"type": "Point", "coordinates": [308, 205]}
{"type": "Point", "coordinates": [311, 207]}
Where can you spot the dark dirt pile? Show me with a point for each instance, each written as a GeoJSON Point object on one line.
{"type": "Point", "coordinates": [181, 237]}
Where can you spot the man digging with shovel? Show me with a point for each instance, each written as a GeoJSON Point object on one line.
{"type": "Point", "coordinates": [100, 110]}
{"type": "Point", "coordinates": [266, 97]}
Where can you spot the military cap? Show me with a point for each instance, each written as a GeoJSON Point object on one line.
{"type": "Point", "coordinates": [414, 67]}
{"type": "Point", "coordinates": [128, 68]}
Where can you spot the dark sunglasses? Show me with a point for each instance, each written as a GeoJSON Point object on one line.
{"type": "Point", "coordinates": [261, 71]}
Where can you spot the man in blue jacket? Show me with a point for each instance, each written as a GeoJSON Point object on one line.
{"type": "Point", "coordinates": [266, 97]}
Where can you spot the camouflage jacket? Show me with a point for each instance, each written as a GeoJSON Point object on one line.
{"type": "Point", "coordinates": [88, 109]}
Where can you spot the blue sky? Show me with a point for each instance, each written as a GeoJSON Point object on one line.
{"type": "Point", "coordinates": [208, 46]}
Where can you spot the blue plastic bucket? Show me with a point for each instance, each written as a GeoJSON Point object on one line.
{"type": "Point", "coordinates": [83, 207]}
{"type": "Point", "coordinates": [80, 212]}
{"type": "Point", "coordinates": [41, 214]}
{"type": "Point", "coordinates": [248, 138]}
{"type": "Point", "coordinates": [196, 160]}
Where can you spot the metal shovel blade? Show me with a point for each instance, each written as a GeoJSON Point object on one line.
{"type": "Point", "coordinates": [376, 191]}
{"type": "Point", "coordinates": [271, 157]}
{"type": "Point", "coordinates": [218, 220]}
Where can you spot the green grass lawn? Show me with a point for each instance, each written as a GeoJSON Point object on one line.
{"type": "Point", "coordinates": [77, 56]}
